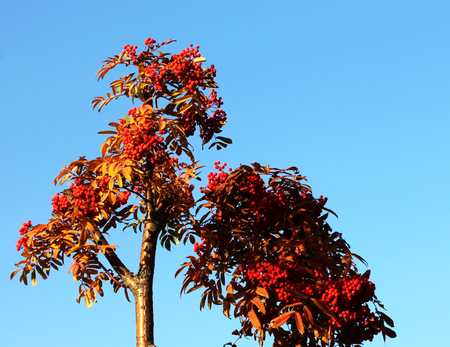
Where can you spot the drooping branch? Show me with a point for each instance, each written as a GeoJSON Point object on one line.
{"type": "Point", "coordinates": [114, 260]}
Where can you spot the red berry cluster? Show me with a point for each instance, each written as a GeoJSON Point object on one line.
{"type": "Point", "coordinates": [200, 248]}
{"type": "Point", "coordinates": [131, 51]}
{"type": "Point", "coordinates": [216, 178]}
{"type": "Point", "coordinates": [265, 205]}
{"type": "Point", "coordinates": [347, 297]}
{"type": "Point", "coordinates": [24, 238]}
{"type": "Point", "coordinates": [60, 203]}
{"type": "Point", "coordinates": [181, 69]}
{"type": "Point", "coordinates": [149, 42]}
{"type": "Point", "coordinates": [280, 276]}
{"type": "Point", "coordinates": [348, 291]}
{"type": "Point", "coordinates": [209, 125]}
{"type": "Point", "coordinates": [141, 141]}
{"type": "Point", "coordinates": [173, 161]}
{"type": "Point", "coordinates": [317, 204]}
{"type": "Point", "coordinates": [87, 199]}
{"type": "Point", "coordinates": [120, 199]}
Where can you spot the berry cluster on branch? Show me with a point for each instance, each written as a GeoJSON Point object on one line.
{"type": "Point", "coordinates": [24, 237]}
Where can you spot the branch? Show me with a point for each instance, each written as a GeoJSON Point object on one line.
{"type": "Point", "coordinates": [118, 266]}
{"type": "Point", "coordinates": [107, 272]}
{"type": "Point", "coordinates": [136, 193]}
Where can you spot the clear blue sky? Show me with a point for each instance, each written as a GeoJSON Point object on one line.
{"type": "Point", "coordinates": [354, 93]}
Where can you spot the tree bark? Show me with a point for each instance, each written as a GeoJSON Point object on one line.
{"type": "Point", "coordinates": [143, 294]}
{"type": "Point", "coordinates": [144, 312]}
{"type": "Point", "coordinates": [156, 220]}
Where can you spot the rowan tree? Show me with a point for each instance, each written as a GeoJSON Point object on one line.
{"type": "Point", "coordinates": [263, 248]}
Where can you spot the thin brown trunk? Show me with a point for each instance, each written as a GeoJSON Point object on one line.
{"type": "Point", "coordinates": [144, 313]}
{"type": "Point", "coordinates": [143, 295]}
{"type": "Point", "coordinates": [143, 291]}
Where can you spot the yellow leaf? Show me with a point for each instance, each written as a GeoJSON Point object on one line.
{"type": "Point", "coordinates": [65, 178]}
{"type": "Point", "coordinates": [90, 226]}
{"type": "Point", "coordinates": [104, 214]}
{"type": "Point", "coordinates": [199, 60]}
{"type": "Point", "coordinates": [104, 168]}
{"type": "Point", "coordinates": [87, 301]}
{"type": "Point", "coordinates": [112, 198]}
{"type": "Point", "coordinates": [185, 108]}
{"type": "Point", "coordinates": [104, 197]}
{"type": "Point", "coordinates": [119, 180]}
{"type": "Point", "coordinates": [126, 172]}
{"type": "Point", "coordinates": [111, 169]}
{"type": "Point", "coordinates": [183, 98]}
{"type": "Point", "coordinates": [33, 277]}
{"type": "Point", "coordinates": [179, 92]}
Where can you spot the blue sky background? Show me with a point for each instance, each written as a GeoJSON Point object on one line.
{"type": "Point", "coordinates": [354, 93]}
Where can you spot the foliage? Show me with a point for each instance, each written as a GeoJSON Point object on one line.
{"type": "Point", "coordinates": [266, 248]}
{"type": "Point", "coordinates": [289, 274]}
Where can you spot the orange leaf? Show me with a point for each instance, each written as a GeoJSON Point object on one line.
{"type": "Point", "coordinates": [14, 273]}
{"type": "Point", "coordinates": [111, 132]}
{"type": "Point", "coordinates": [262, 291]}
{"type": "Point", "coordinates": [254, 320]}
{"type": "Point", "coordinates": [257, 301]}
{"type": "Point", "coordinates": [280, 320]}
{"type": "Point", "coordinates": [90, 226]}
{"type": "Point", "coordinates": [299, 323]}
{"type": "Point", "coordinates": [83, 237]}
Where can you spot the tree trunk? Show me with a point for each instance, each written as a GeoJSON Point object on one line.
{"type": "Point", "coordinates": [143, 292]}
{"type": "Point", "coordinates": [143, 297]}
